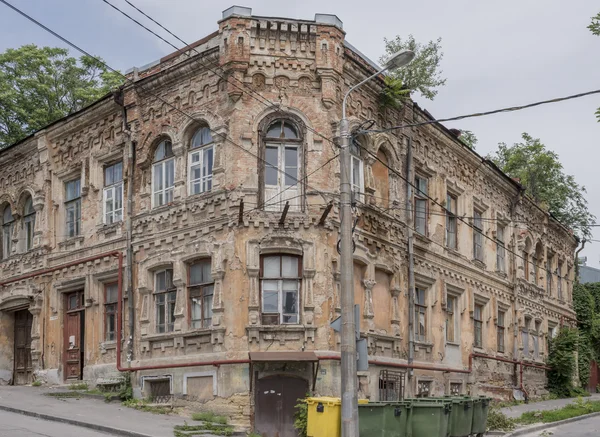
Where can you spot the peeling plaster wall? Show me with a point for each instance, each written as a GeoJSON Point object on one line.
{"type": "Point", "coordinates": [7, 336]}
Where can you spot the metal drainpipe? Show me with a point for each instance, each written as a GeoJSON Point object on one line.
{"type": "Point", "coordinates": [411, 260]}
{"type": "Point", "coordinates": [129, 224]}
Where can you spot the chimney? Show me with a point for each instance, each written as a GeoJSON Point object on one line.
{"type": "Point", "coordinates": [239, 11]}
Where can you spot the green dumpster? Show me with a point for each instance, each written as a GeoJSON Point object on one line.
{"type": "Point", "coordinates": [480, 413]}
{"type": "Point", "coordinates": [461, 417]}
{"type": "Point", "coordinates": [383, 419]}
{"type": "Point", "coordinates": [429, 419]}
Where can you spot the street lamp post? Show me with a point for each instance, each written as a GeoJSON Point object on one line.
{"type": "Point", "coordinates": [348, 346]}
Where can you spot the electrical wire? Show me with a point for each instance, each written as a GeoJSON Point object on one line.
{"type": "Point", "coordinates": [486, 113]}
{"type": "Point", "coordinates": [76, 47]}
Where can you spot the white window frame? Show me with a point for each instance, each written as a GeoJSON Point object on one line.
{"type": "Point", "coordinates": [206, 178]}
{"type": "Point", "coordinates": [478, 244]}
{"type": "Point", "coordinates": [277, 195]}
{"type": "Point", "coordinates": [357, 189]}
{"type": "Point", "coordinates": [167, 295]}
{"type": "Point", "coordinates": [116, 214]}
{"type": "Point", "coordinates": [165, 191]}
{"type": "Point", "coordinates": [280, 289]}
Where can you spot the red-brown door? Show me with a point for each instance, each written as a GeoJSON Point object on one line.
{"type": "Point", "coordinates": [593, 382]}
{"type": "Point", "coordinates": [23, 369]}
{"type": "Point", "coordinates": [74, 335]}
{"type": "Point", "coordinates": [276, 399]}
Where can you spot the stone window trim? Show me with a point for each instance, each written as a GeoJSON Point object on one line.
{"type": "Point", "coordinates": [165, 298]}
{"type": "Point", "coordinates": [424, 386]}
{"type": "Point", "coordinates": [301, 143]}
{"type": "Point", "coordinates": [210, 373]}
{"type": "Point", "coordinates": [455, 294]}
{"type": "Point", "coordinates": [150, 378]}
{"type": "Point", "coordinates": [113, 205]}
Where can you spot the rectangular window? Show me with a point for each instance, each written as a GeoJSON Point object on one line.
{"type": "Point", "coordinates": [424, 389]}
{"type": "Point", "coordinates": [549, 277]}
{"type": "Point", "coordinates": [420, 315]}
{"type": "Point", "coordinates": [500, 329]}
{"type": "Point", "coordinates": [110, 311]}
{"type": "Point", "coordinates": [280, 285]}
{"type": "Point", "coordinates": [455, 388]}
{"type": "Point", "coordinates": [559, 281]}
{"type": "Point", "coordinates": [73, 207]}
{"type": "Point", "coordinates": [200, 169]}
{"type": "Point", "coordinates": [478, 325]}
{"type": "Point", "coordinates": [500, 249]}
{"type": "Point", "coordinates": [165, 295]}
{"type": "Point", "coordinates": [450, 319]}
{"type": "Point", "coordinates": [477, 236]}
{"type": "Point", "coordinates": [29, 230]}
{"type": "Point", "coordinates": [536, 273]}
{"type": "Point", "coordinates": [357, 177]}
{"type": "Point", "coordinates": [113, 193]}
{"type": "Point", "coordinates": [281, 176]}
{"type": "Point", "coordinates": [536, 340]}
{"type": "Point", "coordinates": [525, 336]}
{"type": "Point", "coordinates": [7, 231]}
{"type": "Point", "coordinates": [526, 265]}
{"type": "Point", "coordinates": [163, 182]}
{"type": "Point", "coordinates": [421, 205]}
{"type": "Point", "coordinates": [201, 290]}
{"type": "Point", "coordinates": [451, 222]}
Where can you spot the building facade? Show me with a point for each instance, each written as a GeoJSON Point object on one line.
{"type": "Point", "coordinates": [213, 177]}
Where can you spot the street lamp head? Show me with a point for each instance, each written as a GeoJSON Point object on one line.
{"type": "Point", "coordinates": [400, 59]}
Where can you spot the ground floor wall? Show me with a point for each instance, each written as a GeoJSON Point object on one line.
{"type": "Point", "coordinates": [7, 332]}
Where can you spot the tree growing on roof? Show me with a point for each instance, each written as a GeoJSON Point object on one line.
{"type": "Point", "coordinates": [541, 173]}
{"type": "Point", "coordinates": [423, 74]}
{"type": "Point", "coordinates": [468, 138]}
{"type": "Point", "coordinates": [39, 85]}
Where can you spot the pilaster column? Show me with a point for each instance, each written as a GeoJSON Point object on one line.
{"type": "Point", "coordinates": [368, 313]}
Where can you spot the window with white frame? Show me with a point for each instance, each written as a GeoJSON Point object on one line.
{"type": "Point", "coordinates": [451, 318]}
{"type": "Point", "coordinates": [451, 221]}
{"type": "Point", "coordinates": [477, 235]}
{"type": "Point", "coordinates": [500, 249]}
{"type": "Point", "coordinates": [201, 289]}
{"type": "Point", "coordinates": [421, 204]}
{"type": "Point", "coordinates": [29, 223]}
{"type": "Point", "coordinates": [165, 295]}
{"type": "Point", "coordinates": [282, 166]}
{"type": "Point", "coordinates": [200, 162]}
{"type": "Point", "coordinates": [73, 207]}
{"type": "Point", "coordinates": [7, 230]}
{"type": "Point", "coordinates": [357, 176]}
{"type": "Point", "coordinates": [163, 174]}
{"type": "Point", "coordinates": [421, 314]}
{"type": "Point", "coordinates": [113, 193]}
{"type": "Point", "coordinates": [280, 287]}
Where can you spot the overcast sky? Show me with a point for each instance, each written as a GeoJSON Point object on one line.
{"type": "Point", "coordinates": [496, 54]}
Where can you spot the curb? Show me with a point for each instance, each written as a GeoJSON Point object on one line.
{"type": "Point", "coordinates": [107, 429]}
{"type": "Point", "coordinates": [543, 426]}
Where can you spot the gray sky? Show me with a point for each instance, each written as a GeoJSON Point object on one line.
{"type": "Point", "coordinates": [496, 54]}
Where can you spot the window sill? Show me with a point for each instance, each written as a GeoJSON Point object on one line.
{"type": "Point", "coordinates": [453, 251]}
{"type": "Point", "coordinates": [72, 241]}
{"type": "Point", "coordinates": [164, 207]}
{"type": "Point", "coordinates": [478, 263]}
{"type": "Point", "coordinates": [479, 350]}
{"type": "Point", "coordinates": [422, 238]}
{"type": "Point", "coordinates": [453, 344]}
{"type": "Point", "coordinates": [427, 346]}
{"type": "Point", "coordinates": [502, 274]}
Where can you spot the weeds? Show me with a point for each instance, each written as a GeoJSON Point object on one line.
{"type": "Point", "coordinates": [36, 383]}
{"type": "Point", "coordinates": [207, 416]}
{"type": "Point", "coordinates": [144, 405]}
{"type": "Point", "coordinates": [78, 386]}
{"type": "Point", "coordinates": [498, 421]}
{"type": "Point", "coordinates": [577, 408]}
{"type": "Point", "coordinates": [198, 430]}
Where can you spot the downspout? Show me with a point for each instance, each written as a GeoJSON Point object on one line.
{"type": "Point", "coordinates": [119, 98]}
{"type": "Point", "coordinates": [577, 260]}
{"type": "Point", "coordinates": [411, 260]}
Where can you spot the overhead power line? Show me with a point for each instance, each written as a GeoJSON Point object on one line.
{"type": "Point", "coordinates": [483, 114]}
{"type": "Point", "coordinates": [79, 49]}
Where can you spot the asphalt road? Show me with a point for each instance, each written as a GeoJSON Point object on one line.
{"type": "Point", "coordinates": [583, 428]}
{"type": "Point", "coordinates": [17, 425]}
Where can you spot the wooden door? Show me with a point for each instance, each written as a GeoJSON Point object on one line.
{"type": "Point", "coordinates": [23, 369]}
{"type": "Point", "coordinates": [276, 399]}
{"type": "Point", "coordinates": [74, 335]}
{"type": "Point", "coordinates": [594, 373]}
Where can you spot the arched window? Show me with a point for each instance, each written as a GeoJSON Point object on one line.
{"type": "Point", "coordinates": [200, 161]}
{"type": "Point", "coordinates": [282, 170]}
{"type": "Point", "coordinates": [7, 228]}
{"type": "Point", "coordinates": [29, 223]}
{"type": "Point", "coordinates": [163, 174]}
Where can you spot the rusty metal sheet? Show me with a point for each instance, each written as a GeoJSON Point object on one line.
{"type": "Point", "coordinates": [262, 357]}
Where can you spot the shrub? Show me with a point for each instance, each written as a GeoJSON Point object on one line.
{"type": "Point", "coordinates": [562, 361]}
{"type": "Point", "coordinates": [301, 417]}
{"type": "Point", "coordinates": [498, 421]}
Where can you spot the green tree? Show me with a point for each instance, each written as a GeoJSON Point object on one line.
{"type": "Point", "coordinates": [595, 29]}
{"type": "Point", "coordinates": [541, 173]}
{"type": "Point", "coordinates": [468, 138]}
{"type": "Point", "coordinates": [423, 74]}
{"type": "Point", "coordinates": [39, 85]}
{"type": "Point", "coordinates": [561, 359]}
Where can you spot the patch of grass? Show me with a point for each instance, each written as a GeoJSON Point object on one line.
{"type": "Point", "coordinates": [36, 383]}
{"type": "Point", "coordinates": [577, 408]}
{"type": "Point", "coordinates": [64, 394]}
{"type": "Point", "coordinates": [78, 386]}
{"type": "Point", "coordinates": [498, 421]}
{"type": "Point", "coordinates": [199, 430]}
{"type": "Point", "coordinates": [144, 405]}
{"type": "Point", "coordinates": [208, 416]}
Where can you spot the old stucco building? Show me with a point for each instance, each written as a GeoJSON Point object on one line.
{"type": "Point", "coordinates": [198, 156]}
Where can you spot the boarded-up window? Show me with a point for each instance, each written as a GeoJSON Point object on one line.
{"type": "Point", "coordinates": [200, 388]}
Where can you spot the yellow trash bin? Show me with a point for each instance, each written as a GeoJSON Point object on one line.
{"type": "Point", "coordinates": [325, 416]}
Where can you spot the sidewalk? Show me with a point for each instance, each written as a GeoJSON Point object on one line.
{"type": "Point", "coordinates": [90, 413]}
{"type": "Point", "coordinates": [517, 410]}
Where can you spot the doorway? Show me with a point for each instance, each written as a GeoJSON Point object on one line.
{"type": "Point", "coordinates": [74, 330]}
{"type": "Point", "coordinates": [23, 370]}
{"type": "Point", "coordinates": [276, 399]}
